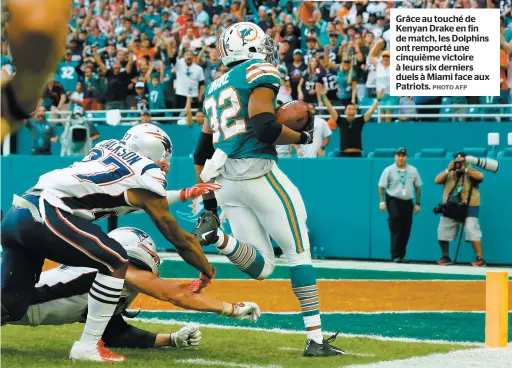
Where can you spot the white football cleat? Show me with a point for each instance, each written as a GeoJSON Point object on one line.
{"type": "Point", "coordinates": [98, 353]}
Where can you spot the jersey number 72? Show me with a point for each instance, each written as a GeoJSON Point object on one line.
{"type": "Point", "coordinates": [230, 124]}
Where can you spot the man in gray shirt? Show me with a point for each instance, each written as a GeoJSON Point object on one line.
{"type": "Point", "coordinates": [398, 182]}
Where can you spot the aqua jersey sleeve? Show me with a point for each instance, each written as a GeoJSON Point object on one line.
{"type": "Point", "coordinates": [260, 74]}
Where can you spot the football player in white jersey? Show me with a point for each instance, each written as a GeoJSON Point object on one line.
{"type": "Point", "coordinates": [53, 220]}
{"type": "Point", "coordinates": [237, 149]}
{"type": "Point", "coordinates": [62, 298]}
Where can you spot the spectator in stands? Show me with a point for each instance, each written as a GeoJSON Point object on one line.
{"type": "Point", "coordinates": [285, 91]}
{"type": "Point", "coordinates": [189, 80]}
{"type": "Point", "coordinates": [67, 72]}
{"type": "Point", "coordinates": [77, 97]}
{"type": "Point", "coordinates": [361, 49]}
{"type": "Point", "coordinates": [54, 96]}
{"type": "Point", "coordinates": [117, 82]}
{"type": "Point", "coordinates": [383, 80]}
{"type": "Point", "coordinates": [145, 118]}
{"type": "Point", "coordinates": [141, 100]}
{"type": "Point", "coordinates": [427, 101]}
{"type": "Point", "coordinates": [156, 95]}
{"type": "Point", "coordinates": [399, 182]}
{"type": "Point", "coordinates": [346, 81]}
{"type": "Point", "coordinates": [407, 109]}
{"type": "Point", "coordinates": [306, 89]}
{"type": "Point", "coordinates": [351, 127]}
{"type": "Point", "coordinates": [43, 133]}
{"type": "Point", "coordinates": [295, 71]}
{"type": "Point", "coordinates": [460, 187]}
{"type": "Point", "coordinates": [321, 138]}
{"type": "Point", "coordinates": [210, 64]}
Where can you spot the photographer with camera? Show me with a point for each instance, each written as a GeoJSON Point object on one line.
{"type": "Point", "coordinates": [460, 206]}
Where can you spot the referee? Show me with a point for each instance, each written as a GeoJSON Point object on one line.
{"type": "Point", "coordinates": [398, 181]}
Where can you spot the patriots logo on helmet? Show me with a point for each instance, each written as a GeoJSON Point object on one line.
{"type": "Point", "coordinates": [167, 144]}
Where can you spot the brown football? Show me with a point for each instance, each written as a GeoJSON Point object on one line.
{"type": "Point", "coordinates": [293, 114]}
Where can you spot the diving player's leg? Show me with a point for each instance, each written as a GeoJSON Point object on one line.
{"type": "Point", "coordinates": [77, 242]}
{"type": "Point", "coordinates": [281, 211]}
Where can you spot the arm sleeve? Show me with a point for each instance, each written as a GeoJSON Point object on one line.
{"type": "Point", "coordinates": [153, 179]}
{"type": "Point", "coordinates": [417, 180]}
{"type": "Point", "coordinates": [383, 181]}
{"type": "Point", "coordinates": [326, 131]}
{"type": "Point", "coordinates": [120, 334]}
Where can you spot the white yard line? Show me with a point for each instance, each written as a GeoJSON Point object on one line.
{"type": "Point", "coordinates": [292, 332]}
{"type": "Point", "coordinates": [340, 312]}
{"type": "Point", "coordinates": [472, 358]}
{"type": "Point", "coordinates": [220, 363]}
{"type": "Point", "coordinates": [287, 348]}
{"type": "Point", "coordinates": [372, 266]}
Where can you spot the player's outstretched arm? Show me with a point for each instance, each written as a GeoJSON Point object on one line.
{"type": "Point", "coordinates": [263, 118]}
{"type": "Point", "coordinates": [186, 244]}
{"type": "Point", "coordinates": [182, 296]}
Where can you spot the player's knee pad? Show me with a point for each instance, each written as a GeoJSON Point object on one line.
{"type": "Point", "coordinates": [297, 259]}
{"type": "Point", "coordinates": [270, 265]}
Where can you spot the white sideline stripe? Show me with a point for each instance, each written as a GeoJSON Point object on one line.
{"type": "Point", "coordinates": [223, 364]}
{"type": "Point", "coordinates": [287, 348]}
{"type": "Point", "coordinates": [323, 313]}
{"type": "Point", "coordinates": [294, 332]}
{"type": "Point", "coordinates": [472, 358]}
{"type": "Point", "coordinates": [322, 279]}
{"type": "Point", "coordinates": [373, 266]}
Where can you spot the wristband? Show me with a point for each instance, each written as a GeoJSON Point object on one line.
{"type": "Point", "coordinates": [228, 309]}
{"type": "Point", "coordinates": [210, 205]}
{"type": "Point", "coordinates": [447, 171]}
{"type": "Point", "coordinates": [382, 202]}
{"type": "Point", "coordinates": [172, 343]}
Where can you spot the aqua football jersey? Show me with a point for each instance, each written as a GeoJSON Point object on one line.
{"type": "Point", "coordinates": [67, 75]}
{"type": "Point", "coordinates": [226, 109]}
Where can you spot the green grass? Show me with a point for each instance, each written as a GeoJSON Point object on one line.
{"type": "Point", "coordinates": [49, 347]}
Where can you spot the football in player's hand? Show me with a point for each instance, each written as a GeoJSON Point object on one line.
{"type": "Point", "coordinates": [294, 115]}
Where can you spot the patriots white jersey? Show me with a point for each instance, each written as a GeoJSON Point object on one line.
{"type": "Point", "coordinates": [96, 187]}
{"type": "Point", "coordinates": [69, 289]}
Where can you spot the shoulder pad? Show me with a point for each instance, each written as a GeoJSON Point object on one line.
{"type": "Point", "coordinates": [260, 73]}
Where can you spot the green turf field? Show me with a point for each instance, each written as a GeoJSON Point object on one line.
{"type": "Point", "coordinates": [48, 347]}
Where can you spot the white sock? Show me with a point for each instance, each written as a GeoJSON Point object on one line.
{"type": "Point", "coordinates": [102, 302]}
{"type": "Point", "coordinates": [229, 247]}
{"type": "Point", "coordinates": [315, 335]}
{"type": "Point", "coordinates": [312, 321]}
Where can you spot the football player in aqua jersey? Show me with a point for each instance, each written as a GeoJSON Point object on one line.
{"type": "Point", "coordinates": [237, 149]}
{"type": "Point", "coordinates": [61, 298]}
{"type": "Point", "coordinates": [53, 220]}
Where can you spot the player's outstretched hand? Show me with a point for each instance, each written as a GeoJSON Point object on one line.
{"type": "Point", "coordinates": [198, 190]}
{"type": "Point", "coordinates": [187, 336]}
{"type": "Point", "coordinates": [246, 310]}
{"type": "Point", "coordinates": [197, 285]}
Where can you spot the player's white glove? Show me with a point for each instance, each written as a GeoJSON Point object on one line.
{"type": "Point", "coordinates": [186, 336]}
{"type": "Point", "coordinates": [242, 310]}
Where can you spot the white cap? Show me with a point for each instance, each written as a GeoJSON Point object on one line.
{"type": "Point", "coordinates": [139, 85]}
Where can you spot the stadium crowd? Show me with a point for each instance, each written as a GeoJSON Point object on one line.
{"type": "Point", "coordinates": [149, 55]}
